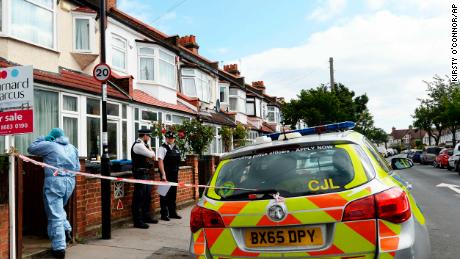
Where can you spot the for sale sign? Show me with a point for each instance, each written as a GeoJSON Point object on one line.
{"type": "Point", "coordinates": [16, 100]}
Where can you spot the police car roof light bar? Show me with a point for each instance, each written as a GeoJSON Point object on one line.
{"type": "Point", "coordinates": [334, 127]}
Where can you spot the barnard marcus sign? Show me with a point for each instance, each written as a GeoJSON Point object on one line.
{"type": "Point", "coordinates": [16, 100]}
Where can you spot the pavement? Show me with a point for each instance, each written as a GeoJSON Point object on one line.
{"type": "Point", "coordinates": [167, 239]}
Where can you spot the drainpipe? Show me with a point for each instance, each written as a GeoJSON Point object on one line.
{"type": "Point", "coordinates": [12, 201]}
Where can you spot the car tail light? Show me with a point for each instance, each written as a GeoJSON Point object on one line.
{"type": "Point", "coordinates": [205, 218]}
{"type": "Point", "coordinates": [391, 205]}
{"type": "Point", "coordinates": [360, 209]}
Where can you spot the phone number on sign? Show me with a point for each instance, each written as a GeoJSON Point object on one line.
{"type": "Point", "coordinates": [14, 126]}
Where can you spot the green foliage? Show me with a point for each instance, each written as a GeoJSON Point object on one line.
{"type": "Point", "coordinates": [440, 110]}
{"type": "Point", "coordinates": [240, 134]}
{"type": "Point", "coordinates": [318, 106]}
{"type": "Point", "coordinates": [226, 133]}
{"type": "Point", "coordinates": [377, 135]}
{"type": "Point", "coordinates": [197, 135]}
{"type": "Point", "coordinates": [159, 129]}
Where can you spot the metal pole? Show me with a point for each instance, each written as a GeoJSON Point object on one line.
{"type": "Point", "coordinates": [105, 184]}
{"type": "Point", "coordinates": [12, 200]}
{"type": "Point", "coordinates": [331, 71]}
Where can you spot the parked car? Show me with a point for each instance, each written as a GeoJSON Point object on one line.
{"type": "Point", "coordinates": [382, 151]}
{"type": "Point", "coordinates": [454, 160]}
{"type": "Point", "coordinates": [442, 159]}
{"type": "Point", "coordinates": [317, 196]}
{"type": "Point", "coordinates": [429, 155]}
{"type": "Point", "coordinates": [390, 152]}
{"type": "Point", "coordinates": [414, 155]}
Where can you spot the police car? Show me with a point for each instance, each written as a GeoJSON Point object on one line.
{"type": "Point", "coordinates": [322, 192]}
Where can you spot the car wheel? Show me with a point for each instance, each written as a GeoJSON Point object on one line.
{"type": "Point", "coordinates": [449, 168]}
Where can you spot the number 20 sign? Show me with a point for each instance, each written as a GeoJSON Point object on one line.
{"type": "Point", "coordinates": [101, 72]}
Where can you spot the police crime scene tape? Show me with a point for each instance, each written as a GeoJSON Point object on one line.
{"type": "Point", "coordinates": [126, 180]}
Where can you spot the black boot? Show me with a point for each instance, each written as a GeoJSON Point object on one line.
{"type": "Point", "coordinates": [58, 253]}
{"type": "Point", "coordinates": [141, 225]}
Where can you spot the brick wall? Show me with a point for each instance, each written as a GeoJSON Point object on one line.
{"type": "Point", "coordinates": [4, 231]}
{"type": "Point", "coordinates": [88, 200]}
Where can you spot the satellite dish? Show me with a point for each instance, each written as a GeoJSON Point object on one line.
{"type": "Point", "coordinates": [217, 105]}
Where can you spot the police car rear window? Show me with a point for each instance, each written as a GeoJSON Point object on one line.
{"type": "Point", "coordinates": [299, 172]}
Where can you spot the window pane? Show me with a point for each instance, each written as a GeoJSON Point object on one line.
{"type": "Point", "coordinates": [119, 43]}
{"type": "Point", "coordinates": [168, 117]}
{"type": "Point", "coordinates": [136, 129]}
{"type": "Point", "coordinates": [271, 116]}
{"type": "Point", "coordinates": [46, 117]}
{"type": "Point", "coordinates": [118, 58]}
{"type": "Point", "coordinates": [233, 91]}
{"type": "Point", "coordinates": [178, 119]}
{"type": "Point", "coordinates": [233, 103]}
{"type": "Point", "coordinates": [167, 75]}
{"type": "Point", "coordinates": [149, 116]}
{"type": "Point", "coordinates": [250, 109]}
{"type": "Point", "coordinates": [113, 109]}
{"type": "Point", "coordinates": [93, 107]}
{"type": "Point", "coordinates": [2, 138]}
{"type": "Point", "coordinates": [93, 137]}
{"type": "Point", "coordinates": [45, 3]}
{"type": "Point", "coordinates": [146, 51]}
{"type": "Point", "coordinates": [112, 131]}
{"type": "Point", "coordinates": [124, 135]}
{"type": "Point", "coordinates": [189, 87]}
{"type": "Point", "coordinates": [146, 68]}
{"type": "Point", "coordinates": [167, 57]}
{"type": "Point", "coordinates": [71, 130]}
{"type": "Point", "coordinates": [136, 114]}
{"type": "Point", "coordinates": [70, 103]}
{"type": "Point", "coordinates": [32, 23]}
{"type": "Point", "coordinates": [123, 111]}
{"type": "Point", "coordinates": [82, 34]}
{"type": "Point", "coordinates": [188, 72]}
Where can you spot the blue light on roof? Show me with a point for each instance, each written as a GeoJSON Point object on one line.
{"type": "Point", "coordinates": [340, 126]}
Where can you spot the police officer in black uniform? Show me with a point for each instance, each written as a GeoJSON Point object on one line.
{"type": "Point", "coordinates": [168, 163]}
{"type": "Point", "coordinates": [142, 156]}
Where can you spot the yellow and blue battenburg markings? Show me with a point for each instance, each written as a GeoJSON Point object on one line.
{"type": "Point", "coordinates": [341, 126]}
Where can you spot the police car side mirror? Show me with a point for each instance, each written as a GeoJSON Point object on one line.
{"type": "Point", "coordinates": [399, 163]}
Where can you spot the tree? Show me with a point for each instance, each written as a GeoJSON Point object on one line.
{"type": "Point", "coordinates": [440, 110]}
{"type": "Point", "coordinates": [240, 134]}
{"type": "Point", "coordinates": [378, 135]}
{"type": "Point", "coordinates": [197, 135]}
{"type": "Point", "coordinates": [319, 106]}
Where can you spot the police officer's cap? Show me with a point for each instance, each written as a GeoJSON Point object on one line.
{"type": "Point", "coordinates": [170, 134]}
{"type": "Point", "coordinates": [145, 132]}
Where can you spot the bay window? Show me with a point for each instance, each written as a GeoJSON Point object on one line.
{"type": "Point", "coordinates": [250, 106]}
{"type": "Point", "coordinates": [197, 84]}
{"type": "Point", "coordinates": [237, 98]}
{"type": "Point", "coordinates": [119, 52]}
{"type": "Point", "coordinates": [83, 34]}
{"type": "Point", "coordinates": [273, 114]}
{"type": "Point", "coordinates": [93, 128]}
{"type": "Point", "coordinates": [34, 21]}
{"type": "Point", "coordinates": [146, 64]}
{"type": "Point", "coordinates": [46, 117]}
{"type": "Point", "coordinates": [167, 67]}
{"type": "Point", "coordinates": [224, 92]}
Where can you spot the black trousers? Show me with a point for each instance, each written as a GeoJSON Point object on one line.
{"type": "Point", "coordinates": [141, 199]}
{"type": "Point", "coordinates": [168, 202]}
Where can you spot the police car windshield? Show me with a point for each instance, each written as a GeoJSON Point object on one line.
{"type": "Point", "coordinates": [303, 171]}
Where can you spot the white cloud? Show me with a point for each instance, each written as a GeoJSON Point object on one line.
{"type": "Point", "coordinates": [327, 11]}
{"type": "Point", "coordinates": [384, 55]}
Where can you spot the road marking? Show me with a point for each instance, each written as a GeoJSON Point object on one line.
{"type": "Point", "coordinates": [453, 187]}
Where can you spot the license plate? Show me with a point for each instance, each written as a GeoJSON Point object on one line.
{"type": "Point", "coordinates": [267, 237]}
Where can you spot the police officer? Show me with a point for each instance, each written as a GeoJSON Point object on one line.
{"type": "Point", "coordinates": [168, 163]}
{"type": "Point", "coordinates": [142, 156]}
{"type": "Point", "coordinates": [58, 152]}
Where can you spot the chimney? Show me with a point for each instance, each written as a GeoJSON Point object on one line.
{"type": "Point", "coordinates": [232, 69]}
{"type": "Point", "coordinates": [189, 42]}
{"type": "Point", "coordinates": [393, 129]}
{"type": "Point", "coordinates": [259, 85]}
{"type": "Point", "coordinates": [111, 4]}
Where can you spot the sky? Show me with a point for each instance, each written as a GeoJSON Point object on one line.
{"type": "Point", "coordinates": [383, 48]}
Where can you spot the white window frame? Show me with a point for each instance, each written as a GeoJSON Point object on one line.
{"type": "Point", "coordinates": [70, 114]}
{"type": "Point", "coordinates": [155, 65]}
{"type": "Point", "coordinates": [112, 47]}
{"type": "Point", "coordinates": [174, 86]}
{"type": "Point", "coordinates": [226, 87]}
{"type": "Point", "coordinates": [91, 21]}
{"type": "Point", "coordinates": [240, 96]}
{"type": "Point", "coordinates": [6, 20]}
{"type": "Point", "coordinates": [202, 78]}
